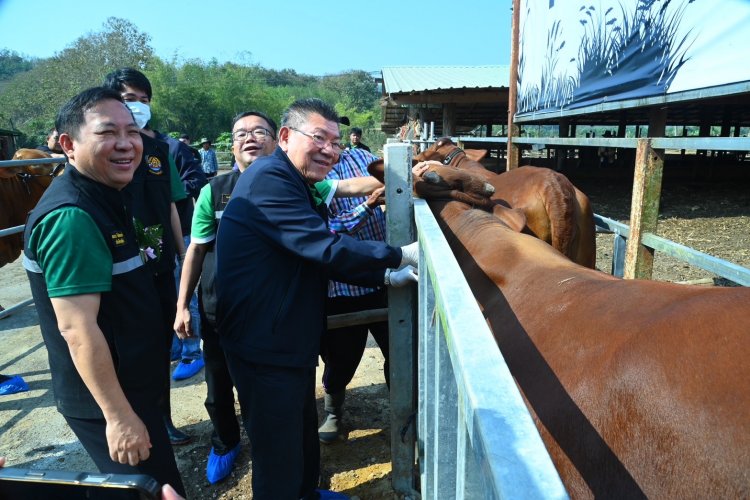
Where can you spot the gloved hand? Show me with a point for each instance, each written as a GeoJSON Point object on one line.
{"type": "Point", "coordinates": [401, 277]}
{"type": "Point", "coordinates": [410, 254]}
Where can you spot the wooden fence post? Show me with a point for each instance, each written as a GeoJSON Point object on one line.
{"type": "Point", "coordinates": [514, 152]}
{"type": "Point", "coordinates": [644, 209]}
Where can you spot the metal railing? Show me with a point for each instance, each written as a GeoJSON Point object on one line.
{"type": "Point", "coordinates": [476, 436]}
{"type": "Point", "coordinates": [621, 232]}
{"type": "Point", "coordinates": [19, 229]}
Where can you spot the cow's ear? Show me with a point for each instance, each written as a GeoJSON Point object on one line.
{"type": "Point", "coordinates": [514, 218]}
{"type": "Point", "coordinates": [475, 154]}
{"type": "Point", "coordinates": [377, 170]}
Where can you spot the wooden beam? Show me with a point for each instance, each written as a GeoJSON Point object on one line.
{"type": "Point", "coordinates": [644, 209]}
{"type": "Point", "coordinates": [449, 119]}
{"type": "Point", "coordinates": [514, 152]}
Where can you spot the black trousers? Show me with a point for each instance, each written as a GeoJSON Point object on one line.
{"type": "Point", "coordinates": [342, 348]}
{"type": "Point", "coordinates": [161, 463]}
{"type": "Point", "coordinates": [165, 287]}
{"type": "Point", "coordinates": [280, 417]}
{"type": "Point", "coordinates": [219, 391]}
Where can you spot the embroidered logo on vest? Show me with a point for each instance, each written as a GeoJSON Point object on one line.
{"type": "Point", "coordinates": [154, 165]}
{"type": "Point", "coordinates": [118, 238]}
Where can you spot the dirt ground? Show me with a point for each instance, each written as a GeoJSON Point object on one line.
{"type": "Point", "coordinates": [714, 218]}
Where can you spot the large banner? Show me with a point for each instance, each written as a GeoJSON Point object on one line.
{"type": "Point", "coordinates": [576, 53]}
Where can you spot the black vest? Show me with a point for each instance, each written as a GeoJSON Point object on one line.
{"type": "Point", "coordinates": [151, 195]}
{"type": "Point", "coordinates": [129, 314]}
{"type": "Point", "coordinates": [221, 189]}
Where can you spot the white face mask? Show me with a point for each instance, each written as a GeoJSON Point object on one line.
{"type": "Point", "coordinates": [141, 112]}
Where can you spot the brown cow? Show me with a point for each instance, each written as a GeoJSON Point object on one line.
{"type": "Point", "coordinates": [639, 388]}
{"type": "Point", "coordinates": [556, 211]}
{"type": "Point", "coordinates": [20, 190]}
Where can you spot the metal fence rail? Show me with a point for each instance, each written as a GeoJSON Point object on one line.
{"type": "Point", "coordinates": [476, 436]}
{"type": "Point", "coordinates": [723, 268]}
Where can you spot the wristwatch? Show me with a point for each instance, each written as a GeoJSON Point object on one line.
{"type": "Point", "coordinates": [387, 279]}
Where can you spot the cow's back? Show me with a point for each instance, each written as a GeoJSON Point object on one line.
{"type": "Point", "coordinates": [639, 388]}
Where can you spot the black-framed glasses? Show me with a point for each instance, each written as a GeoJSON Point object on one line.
{"type": "Point", "coordinates": [260, 134]}
{"type": "Point", "coordinates": [321, 141]}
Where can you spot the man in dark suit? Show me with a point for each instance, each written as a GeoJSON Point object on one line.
{"type": "Point", "coordinates": [275, 255]}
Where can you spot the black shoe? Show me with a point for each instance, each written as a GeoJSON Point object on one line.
{"type": "Point", "coordinates": [176, 436]}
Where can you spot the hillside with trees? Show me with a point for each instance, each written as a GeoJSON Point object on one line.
{"type": "Point", "coordinates": [190, 96]}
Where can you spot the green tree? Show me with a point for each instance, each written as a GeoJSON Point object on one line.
{"type": "Point", "coordinates": [33, 97]}
{"type": "Point", "coordinates": [12, 63]}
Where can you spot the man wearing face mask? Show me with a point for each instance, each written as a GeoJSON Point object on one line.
{"type": "Point", "coordinates": [187, 351]}
{"type": "Point", "coordinates": [154, 190]}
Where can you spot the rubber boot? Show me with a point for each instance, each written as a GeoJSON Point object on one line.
{"type": "Point", "coordinates": [332, 428]}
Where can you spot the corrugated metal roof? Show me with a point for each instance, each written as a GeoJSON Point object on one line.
{"type": "Point", "coordinates": [401, 79]}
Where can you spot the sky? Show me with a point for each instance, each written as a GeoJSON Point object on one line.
{"type": "Point", "coordinates": [310, 37]}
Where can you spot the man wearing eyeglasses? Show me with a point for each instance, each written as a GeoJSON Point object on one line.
{"type": "Point", "coordinates": [275, 255]}
{"type": "Point", "coordinates": [253, 136]}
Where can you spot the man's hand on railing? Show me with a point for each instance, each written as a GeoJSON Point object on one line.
{"type": "Point", "coordinates": [401, 277]}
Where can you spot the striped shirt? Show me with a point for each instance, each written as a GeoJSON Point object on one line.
{"type": "Point", "coordinates": [209, 162]}
{"type": "Point", "coordinates": [352, 215]}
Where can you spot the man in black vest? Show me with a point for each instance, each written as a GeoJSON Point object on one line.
{"type": "Point", "coordinates": [154, 192]}
{"type": "Point", "coordinates": [258, 139]}
{"type": "Point", "coordinates": [98, 309]}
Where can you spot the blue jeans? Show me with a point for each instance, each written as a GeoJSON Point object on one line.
{"type": "Point", "coordinates": [189, 348]}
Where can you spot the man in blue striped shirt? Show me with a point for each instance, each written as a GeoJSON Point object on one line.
{"type": "Point", "coordinates": [342, 348]}
{"type": "Point", "coordinates": [209, 162]}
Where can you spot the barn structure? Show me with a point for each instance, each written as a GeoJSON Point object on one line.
{"type": "Point", "coordinates": [459, 100]}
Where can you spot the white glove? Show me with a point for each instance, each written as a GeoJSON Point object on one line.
{"type": "Point", "coordinates": [410, 254]}
{"type": "Point", "coordinates": [401, 277]}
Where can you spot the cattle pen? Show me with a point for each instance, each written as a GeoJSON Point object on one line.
{"type": "Point", "coordinates": [451, 439]}
{"type": "Point", "coordinates": [445, 406]}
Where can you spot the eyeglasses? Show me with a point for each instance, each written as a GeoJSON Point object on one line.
{"type": "Point", "coordinates": [321, 142]}
{"type": "Point", "coordinates": [260, 134]}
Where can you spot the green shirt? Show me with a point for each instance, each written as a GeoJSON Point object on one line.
{"type": "Point", "coordinates": [67, 241]}
{"type": "Point", "coordinates": [203, 228]}
{"type": "Point", "coordinates": [178, 190]}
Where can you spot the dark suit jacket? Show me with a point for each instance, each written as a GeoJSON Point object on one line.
{"type": "Point", "coordinates": [275, 255]}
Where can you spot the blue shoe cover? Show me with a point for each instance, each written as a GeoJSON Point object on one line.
{"type": "Point", "coordinates": [219, 466]}
{"type": "Point", "coordinates": [331, 495]}
{"type": "Point", "coordinates": [186, 370]}
{"type": "Point", "coordinates": [13, 385]}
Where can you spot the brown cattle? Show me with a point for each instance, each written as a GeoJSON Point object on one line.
{"type": "Point", "coordinates": [20, 190]}
{"type": "Point", "coordinates": [556, 211]}
{"type": "Point", "coordinates": [638, 388]}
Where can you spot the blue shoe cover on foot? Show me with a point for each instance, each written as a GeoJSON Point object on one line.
{"type": "Point", "coordinates": [219, 466]}
{"type": "Point", "coordinates": [331, 495]}
{"type": "Point", "coordinates": [187, 369]}
{"type": "Point", "coordinates": [13, 385]}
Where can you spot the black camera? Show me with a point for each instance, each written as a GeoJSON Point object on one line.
{"type": "Point", "coordinates": [20, 484]}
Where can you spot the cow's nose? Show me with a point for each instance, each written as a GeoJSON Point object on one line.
{"type": "Point", "coordinates": [431, 177]}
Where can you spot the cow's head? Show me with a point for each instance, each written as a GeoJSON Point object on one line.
{"type": "Point", "coordinates": [447, 153]}
{"type": "Point", "coordinates": [43, 173]}
{"type": "Point", "coordinates": [441, 182]}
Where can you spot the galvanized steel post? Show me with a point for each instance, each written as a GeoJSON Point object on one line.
{"type": "Point", "coordinates": [401, 319]}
